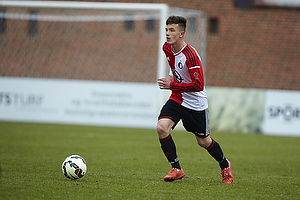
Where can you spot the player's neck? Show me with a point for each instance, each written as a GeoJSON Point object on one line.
{"type": "Point", "coordinates": [176, 47]}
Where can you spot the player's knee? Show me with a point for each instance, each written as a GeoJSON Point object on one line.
{"type": "Point", "coordinates": [204, 142]}
{"type": "Point", "coordinates": [201, 143]}
{"type": "Point", "coordinates": [163, 127]}
{"type": "Point", "coordinates": [160, 129]}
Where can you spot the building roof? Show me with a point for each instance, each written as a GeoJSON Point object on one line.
{"type": "Point", "coordinates": [267, 3]}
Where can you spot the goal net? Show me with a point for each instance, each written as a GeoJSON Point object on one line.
{"type": "Point", "coordinates": [90, 41]}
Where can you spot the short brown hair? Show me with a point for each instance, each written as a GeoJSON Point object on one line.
{"type": "Point", "coordinates": [181, 21]}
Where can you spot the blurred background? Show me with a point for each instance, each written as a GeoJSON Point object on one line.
{"type": "Point", "coordinates": [99, 67]}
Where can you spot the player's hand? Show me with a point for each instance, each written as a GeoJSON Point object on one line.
{"type": "Point", "coordinates": [164, 83]}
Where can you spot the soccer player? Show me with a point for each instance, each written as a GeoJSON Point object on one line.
{"type": "Point", "coordinates": [188, 101]}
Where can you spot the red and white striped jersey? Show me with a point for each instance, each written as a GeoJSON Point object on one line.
{"type": "Point", "coordinates": [188, 86]}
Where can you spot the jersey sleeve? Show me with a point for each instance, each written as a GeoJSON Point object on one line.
{"type": "Point", "coordinates": [196, 85]}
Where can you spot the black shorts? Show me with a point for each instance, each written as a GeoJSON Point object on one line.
{"type": "Point", "coordinates": [192, 120]}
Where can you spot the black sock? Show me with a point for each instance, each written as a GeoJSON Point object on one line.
{"type": "Point", "coordinates": [169, 149]}
{"type": "Point", "coordinates": [216, 152]}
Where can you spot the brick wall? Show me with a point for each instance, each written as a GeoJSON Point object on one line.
{"type": "Point", "coordinates": [253, 47]}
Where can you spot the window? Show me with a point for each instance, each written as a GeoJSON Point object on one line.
{"type": "Point", "coordinates": [2, 22]}
{"type": "Point", "coordinates": [129, 24]}
{"type": "Point", "coordinates": [33, 23]}
{"type": "Point", "coordinates": [192, 25]}
{"type": "Point", "coordinates": [213, 25]}
{"type": "Point", "coordinates": [244, 3]}
{"type": "Point", "coordinates": [150, 24]}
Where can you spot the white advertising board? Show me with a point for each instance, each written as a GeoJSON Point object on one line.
{"type": "Point", "coordinates": [282, 113]}
{"type": "Point", "coordinates": [79, 102]}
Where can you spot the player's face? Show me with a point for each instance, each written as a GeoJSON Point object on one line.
{"type": "Point", "coordinates": [173, 33]}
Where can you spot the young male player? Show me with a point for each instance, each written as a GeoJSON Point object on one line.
{"type": "Point", "coordinates": [188, 101]}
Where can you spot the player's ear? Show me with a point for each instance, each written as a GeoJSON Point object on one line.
{"type": "Point", "coordinates": [182, 34]}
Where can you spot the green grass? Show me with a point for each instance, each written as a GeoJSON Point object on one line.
{"type": "Point", "coordinates": [129, 164]}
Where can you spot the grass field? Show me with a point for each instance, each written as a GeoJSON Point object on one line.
{"type": "Point", "coordinates": [129, 164]}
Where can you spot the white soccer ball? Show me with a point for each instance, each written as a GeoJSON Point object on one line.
{"type": "Point", "coordinates": [74, 167]}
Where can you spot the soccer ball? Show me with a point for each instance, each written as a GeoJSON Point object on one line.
{"type": "Point", "coordinates": [74, 167]}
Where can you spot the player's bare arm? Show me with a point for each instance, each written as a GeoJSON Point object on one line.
{"type": "Point", "coordinates": [164, 83]}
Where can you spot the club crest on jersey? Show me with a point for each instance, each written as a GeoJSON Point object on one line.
{"type": "Point", "coordinates": [196, 75]}
{"type": "Point", "coordinates": [180, 65]}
